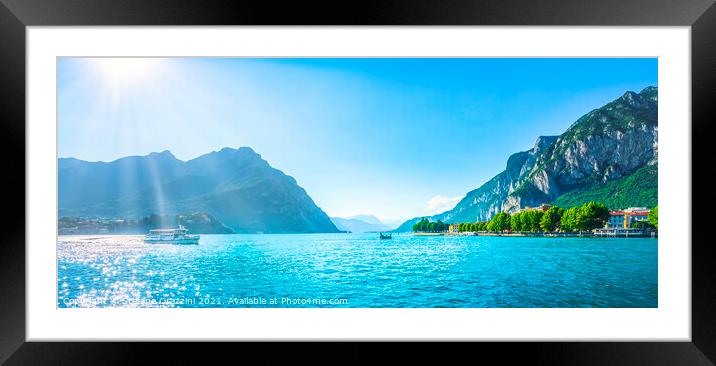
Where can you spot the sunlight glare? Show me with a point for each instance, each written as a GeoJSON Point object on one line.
{"type": "Point", "coordinates": [127, 69]}
{"type": "Point", "coordinates": [126, 76]}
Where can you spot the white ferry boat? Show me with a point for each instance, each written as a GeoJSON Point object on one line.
{"type": "Point", "coordinates": [171, 236]}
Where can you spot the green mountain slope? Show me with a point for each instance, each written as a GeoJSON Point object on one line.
{"type": "Point", "coordinates": [639, 189]}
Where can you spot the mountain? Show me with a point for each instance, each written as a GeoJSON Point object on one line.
{"type": "Point", "coordinates": [593, 158]}
{"type": "Point", "coordinates": [200, 223]}
{"type": "Point", "coordinates": [360, 224]}
{"type": "Point", "coordinates": [371, 219]}
{"type": "Point", "coordinates": [236, 186]}
{"type": "Point", "coordinates": [392, 223]}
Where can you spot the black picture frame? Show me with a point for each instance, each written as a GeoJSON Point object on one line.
{"type": "Point", "coordinates": [16, 15]}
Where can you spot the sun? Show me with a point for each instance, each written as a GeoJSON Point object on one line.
{"type": "Point", "coordinates": [127, 70]}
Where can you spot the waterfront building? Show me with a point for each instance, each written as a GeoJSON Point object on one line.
{"type": "Point", "coordinates": [618, 232]}
{"type": "Point", "coordinates": [629, 218]}
{"type": "Point", "coordinates": [624, 218]}
{"type": "Point", "coordinates": [616, 219]}
{"type": "Point", "coordinates": [543, 207]}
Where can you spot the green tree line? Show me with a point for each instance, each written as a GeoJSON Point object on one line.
{"type": "Point", "coordinates": [426, 226]}
{"type": "Point", "coordinates": [586, 217]}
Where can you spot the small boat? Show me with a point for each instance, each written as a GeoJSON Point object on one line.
{"type": "Point", "coordinates": [171, 236]}
{"type": "Point", "coordinates": [386, 236]}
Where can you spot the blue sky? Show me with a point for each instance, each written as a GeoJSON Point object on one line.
{"type": "Point", "coordinates": [397, 138]}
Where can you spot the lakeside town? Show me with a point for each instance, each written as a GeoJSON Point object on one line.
{"type": "Point", "coordinates": [589, 219]}
{"type": "Point", "coordinates": [198, 222]}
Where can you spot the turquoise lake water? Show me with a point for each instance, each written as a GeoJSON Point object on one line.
{"type": "Point", "coordinates": [357, 270]}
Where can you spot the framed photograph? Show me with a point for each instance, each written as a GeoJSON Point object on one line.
{"type": "Point", "coordinates": [486, 175]}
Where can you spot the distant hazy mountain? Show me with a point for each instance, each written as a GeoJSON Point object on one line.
{"type": "Point", "coordinates": [366, 218]}
{"type": "Point", "coordinates": [392, 223]}
{"type": "Point", "coordinates": [610, 155]}
{"type": "Point", "coordinates": [360, 224]}
{"type": "Point", "coordinates": [234, 185]}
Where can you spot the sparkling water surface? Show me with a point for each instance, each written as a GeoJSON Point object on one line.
{"type": "Point", "coordinates": [357, 270]}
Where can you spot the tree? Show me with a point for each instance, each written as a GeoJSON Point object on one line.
{"type": "Point", "coordinates": [535, 218]}
{"type": "Point", "coordinates": [530, 220]}
{"type": "Point", "coordinates": [515, 222]}
{"type": "Point", "coordinates": [654, 217]}
{"type": "Point", "coordinates": [433, 227]}
{"type": "Point", "coordinates": [505, 221]}
{"type": "Point", "coordinates": [551, 219]}
{"type": "Point", "coordinates": [500, 222]}
{"type": "Point", "coordinates": [586, 217]}
{"type": "Point", "coordinates": [422, 225]}
{"type": "Point", "coordinates": [524, 221]}
{"type": "Point", "coordinates": [578, 221]}
{"type": "Point", "coordinates": [594, 215]}
{"type": "Point", "coordinates": [568, 221]}
{"type": "Point", "coordinates": [643, 225]}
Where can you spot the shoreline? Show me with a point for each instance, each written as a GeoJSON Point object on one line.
{"type": "Point", "coordinates": [521, 235]}
{"type": "Point", "coordinates": [541, 235]}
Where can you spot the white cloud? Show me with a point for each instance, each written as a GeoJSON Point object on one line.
{"type": "Point", "coordinates": [439, 204]}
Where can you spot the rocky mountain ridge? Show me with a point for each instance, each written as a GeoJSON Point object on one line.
{"type": "Point", "coordinates": [605, 144]}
